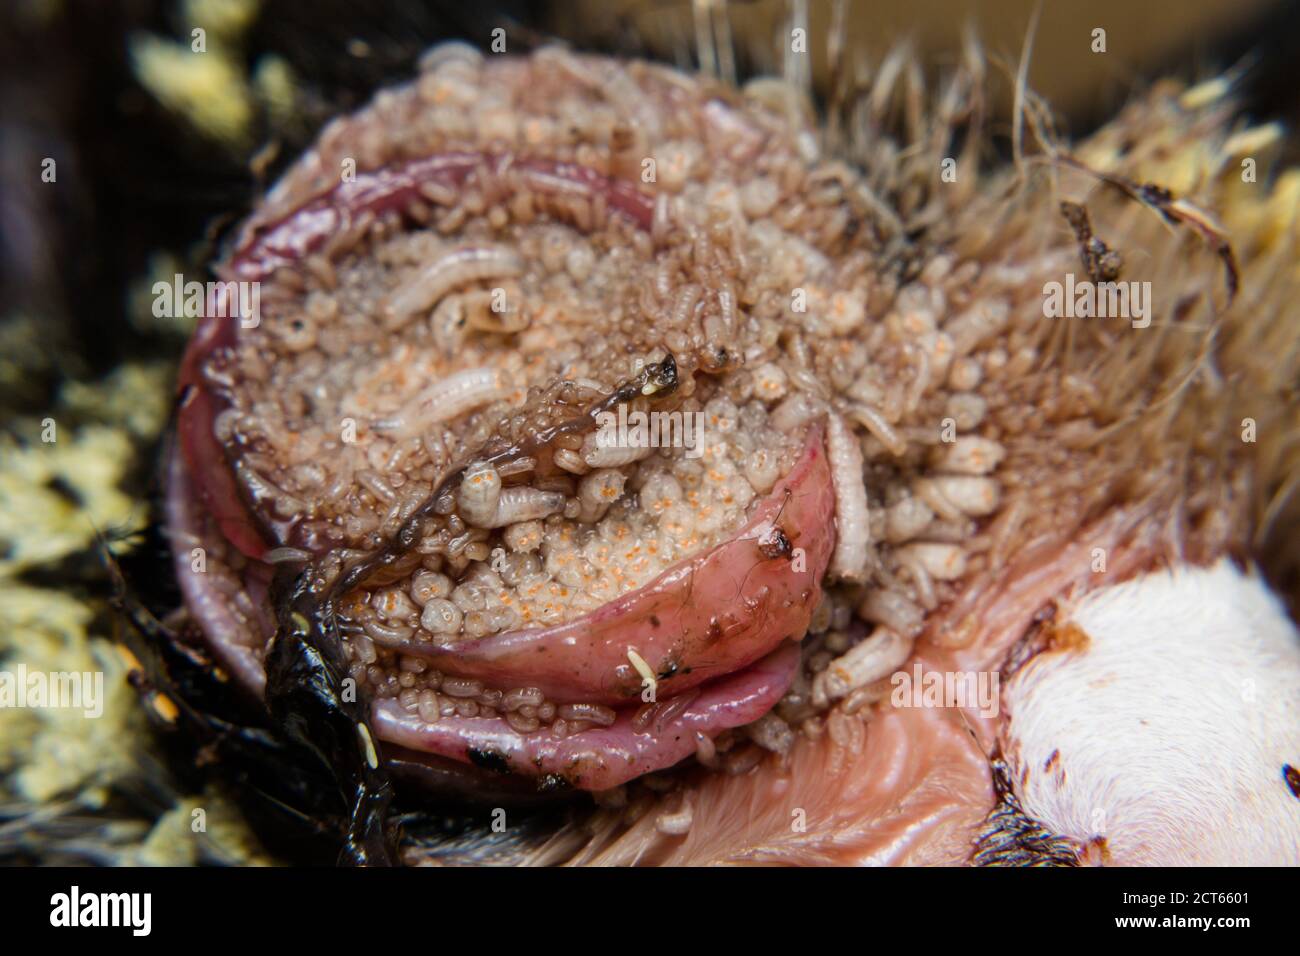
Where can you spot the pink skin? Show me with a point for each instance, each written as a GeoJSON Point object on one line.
{"type": "Point", "coordinates": [702, 618]}
{"type": "Point", "coordinates": [302, 232]}
{"type": "Point", "coordinates": [714, 620]}
{"type": "Point", "coordinates": [231, 636]}
{"type": "Point", "coordinates": [602, 757]}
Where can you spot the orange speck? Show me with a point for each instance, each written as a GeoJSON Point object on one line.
{"type": "Point", "coordinates": [165, 707]}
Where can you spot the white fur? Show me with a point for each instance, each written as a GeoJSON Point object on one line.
{"type": "Point", "coordinates": [1172, 725]}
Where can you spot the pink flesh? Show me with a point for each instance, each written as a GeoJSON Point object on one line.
{"type": "Point", "coordinates": [228, 633]}
{"type": "Point", "coordinates": [289, 240]}
{"type": "Point", "coordinates": [601, 757]}
{"type": "Point", "coordinates": [394, 188]}
{"type": "Point", "coordinates": [704, 617]}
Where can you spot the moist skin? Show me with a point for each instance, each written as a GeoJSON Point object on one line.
{"type": "Point", "coordinates": [978, 453]}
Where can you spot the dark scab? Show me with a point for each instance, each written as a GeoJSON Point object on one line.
{"type": "Point", "coordinates": [654, 620]}
{"type": "Point", "coordinates": [1292, 777]}
{"type": "Point", "coordinates": [669, 671]}
{"type": "Point", "coordinates": [774, 544]}
{"type": "Point", "coordinates": [492, 760]}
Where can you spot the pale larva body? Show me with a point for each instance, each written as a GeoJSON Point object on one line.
{"type": "Point", "coordinates": [451, 271]}
{"type": "Point", "coordinates": [852, 518]}
{"type": "Point", "coordinates": [483, 503]}
{"type": "Point", "coordinates": [446, 399]}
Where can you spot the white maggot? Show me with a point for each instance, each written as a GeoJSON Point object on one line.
{"type": "Point", "coordinates": [480, 494]}
{"type": "Point", "coordinates": [450, 271]}
{"type": "Point", "coordinates": [870, 660]}
{"type": "Point", "coordinates": [852, 519]}
{"type": "Point", "coordinates": [446, 399]}
{"type": "Point", "coordinates": [483, 503]}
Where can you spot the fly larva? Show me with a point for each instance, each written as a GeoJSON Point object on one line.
{"type": "Point", "coordinates": [894, 610]}
{"type": "Point", "coordinates": [866, 662]}
{"type": "Point", "coordinates": [874, 422]}
{"type": "Point", "coordinates": [428, 706]}
{"type": "Point", "coordinates": [570, 461]}
{"type": "Point", "coordinates": [516, 505]}
{"type": "Point", "coordinates": [796, 411]}
{"type": "Point", "coordinates": [445, 400]}
{"type": "Point", "coordinates": [954, 496]}
{"type": "Point", "coordinates": [440, 616]}
{"type": "Point", "coordinates": [452, 270]}
{"type": "Point", "coordinates": [388, 635]}
{"type": "Point", "coordinates": [943, 562]}
{"type": "Point", "coordinates": [970, 455]}
{"type": "Point", "coordinates": [479, 494]}
{"type": "Point", "coordinates": [678, 823]}
{"type": "Point", "coordinates": [597, 455]}
{"type": "Point", "coordinates": [762, 469]}
{"type": "Point", "coordinates": [597, 491]}
{"type": "Point", "coordinates": [448, 322]}
{"type": "Point", "coordinates": [427, 585]}
{"type": "Point", "coordinates": [770, 382]}
{"type": "Point", "coordinates": [852, 519]}
{"type": "Point", "coordinates": [772, 734]}
{"type": "Point", "coordinates": [525, 536]}
{"type": "Point", "coordinates": [907, 519]}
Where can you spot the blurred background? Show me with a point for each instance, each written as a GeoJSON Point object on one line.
{"type": "Point", "coordinates": [125, 158]}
